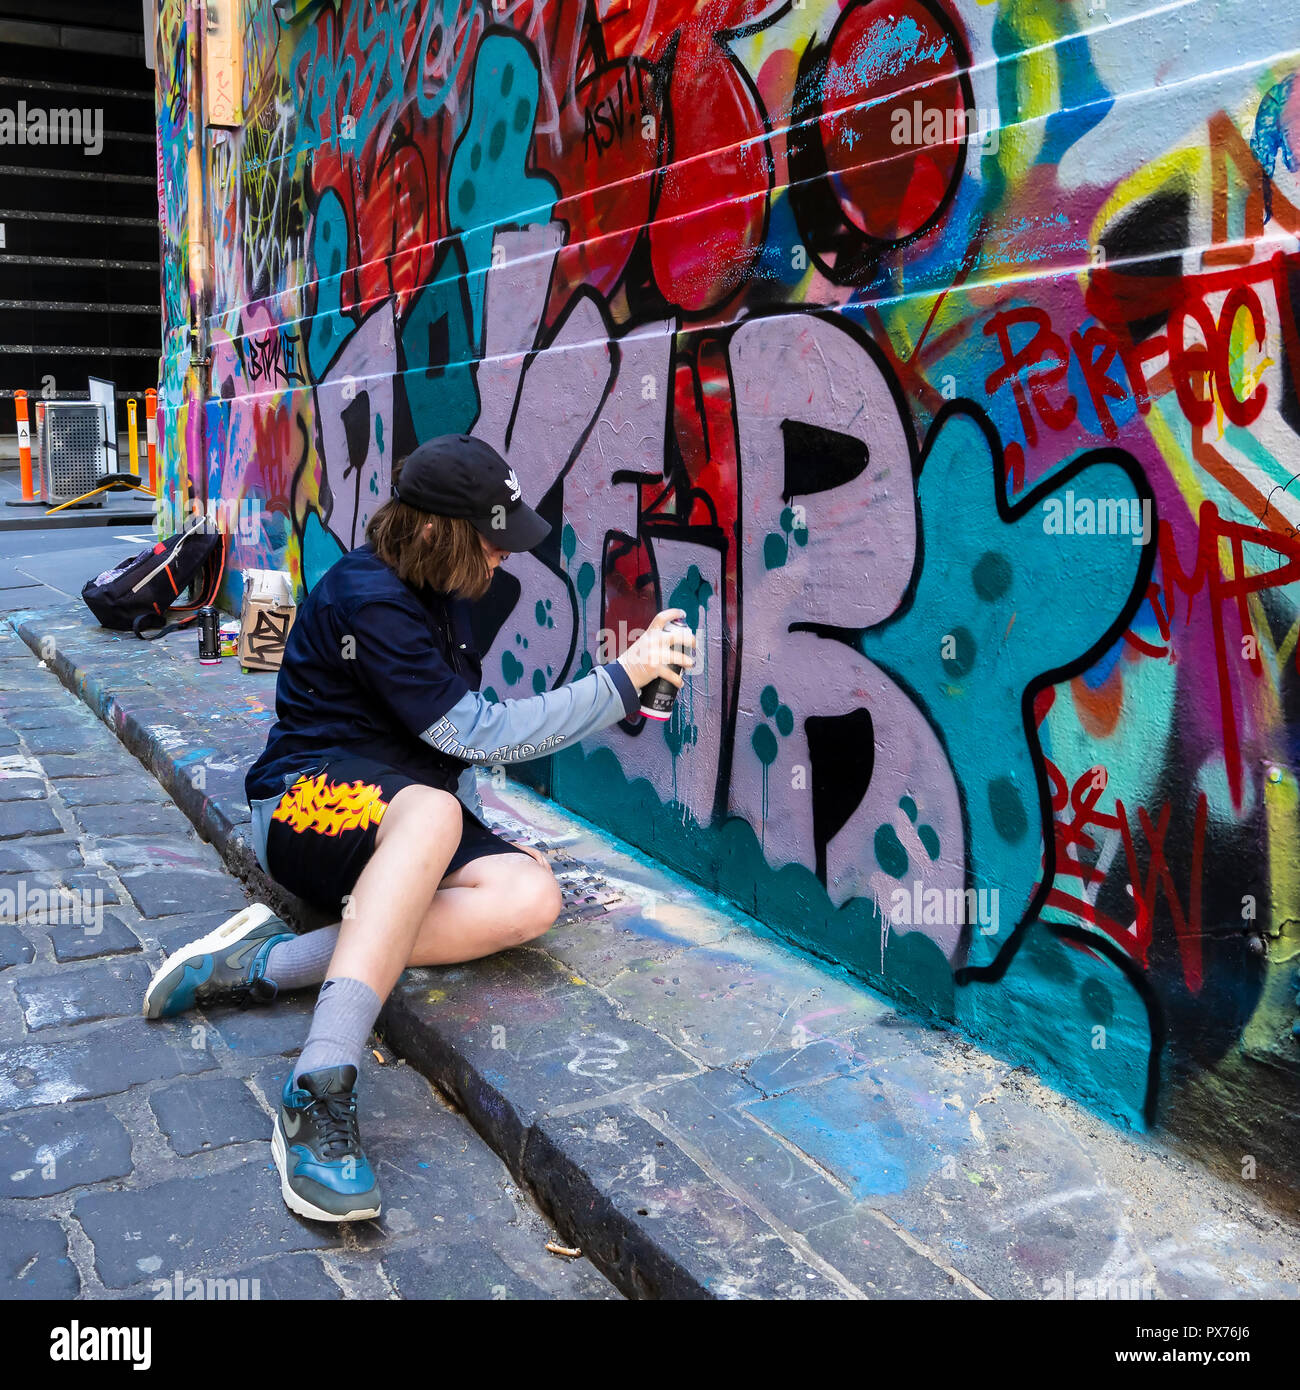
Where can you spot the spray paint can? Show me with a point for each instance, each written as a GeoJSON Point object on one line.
{"type": "Point", "coordinates": [209, 636]}
{"type": "Point", "coordinates": [657, 698]}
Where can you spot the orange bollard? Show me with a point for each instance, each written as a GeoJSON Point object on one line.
{"type": "Point", "coordinates": [151, 436]}
{"type": "Point", "coordinates": [30, 487]}
{"type": "Point", "coordinates": [24, 446]}
{"type": "Point", "coordinates": [132, 437]}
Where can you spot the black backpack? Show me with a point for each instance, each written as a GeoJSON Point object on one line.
{"type": "Point", "coordinates": [139, 594]}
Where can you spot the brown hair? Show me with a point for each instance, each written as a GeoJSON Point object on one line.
{"type": "Point", "coordinates": [451, 560]}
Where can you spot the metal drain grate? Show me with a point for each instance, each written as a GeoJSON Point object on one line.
{"type": "Point", "coordinates": [71, 448]}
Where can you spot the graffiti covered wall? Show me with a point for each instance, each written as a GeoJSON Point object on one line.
{"type": "Point", "coordinates": [939, 357]}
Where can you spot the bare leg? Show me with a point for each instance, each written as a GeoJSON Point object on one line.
{"type": "Point", "coordinates": [418, 835]}
{"type": "Point", "coordinates": [487, 905]}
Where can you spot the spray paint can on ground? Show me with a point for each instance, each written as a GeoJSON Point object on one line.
{"type": "Point", "coordinates": [658, 697]}
{"type": "Point", "coordinates": [209, 623]}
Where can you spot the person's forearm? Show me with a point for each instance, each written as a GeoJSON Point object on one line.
{"type": "Point", "coordinates": [490, 731]}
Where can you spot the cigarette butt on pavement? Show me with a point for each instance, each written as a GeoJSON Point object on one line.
{"type": "Point", "coordinates": [378, 1056]}
{"type": "Point", "coordinates": [562, 1250]}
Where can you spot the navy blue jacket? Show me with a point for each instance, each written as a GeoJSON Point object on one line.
{"type": "Point", "coordinates": [374, 668]}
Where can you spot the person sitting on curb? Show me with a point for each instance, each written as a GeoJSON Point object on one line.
{"type": "Point", "coordinates": [363, 801]}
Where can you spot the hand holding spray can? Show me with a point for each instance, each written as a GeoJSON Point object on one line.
{"type": "Point", "coordinates": [657, 698]}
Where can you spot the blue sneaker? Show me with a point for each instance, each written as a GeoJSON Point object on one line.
{"type": "Point", "coordinates": [228, 966]}
{"type": "Point", "coordinates": [317, 1148]}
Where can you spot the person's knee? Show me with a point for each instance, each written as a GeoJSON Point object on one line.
{"type": "Point", "coordinates": [424, 815]}
{"type": "Point", "coordinates": [538, 904]}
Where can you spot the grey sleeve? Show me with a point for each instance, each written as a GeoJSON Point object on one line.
{"type": "Point", "coordinates": [508, 731]}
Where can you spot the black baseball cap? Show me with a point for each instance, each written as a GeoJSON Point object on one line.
{"type": "Point", "coordinates": [458, 475]}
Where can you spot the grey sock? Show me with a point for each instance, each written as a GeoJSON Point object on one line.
{"type": "Point", "coordinates": [345, 1014]}
{"type": "Point", "coordinates": [303, 960]}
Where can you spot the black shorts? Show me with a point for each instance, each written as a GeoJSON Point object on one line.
{"type": "Point", "coordinates": [323, 830]}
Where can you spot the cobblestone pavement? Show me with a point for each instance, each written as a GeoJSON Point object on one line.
{"type": "Point", "coordinates": [134, 1156]}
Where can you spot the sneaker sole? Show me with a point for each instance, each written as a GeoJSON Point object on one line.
{"type": "Point", "coordinates": [299, 1205]}
{"type": "Point", "coordinates": [232, 930]}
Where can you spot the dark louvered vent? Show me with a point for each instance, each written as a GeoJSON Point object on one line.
{"type": "Point", "coordinates": [79, 281]}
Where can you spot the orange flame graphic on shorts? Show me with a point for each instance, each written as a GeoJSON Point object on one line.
{"type": "Point", "coordinates": [330, 810]}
